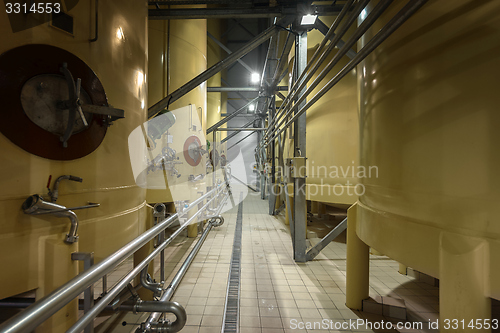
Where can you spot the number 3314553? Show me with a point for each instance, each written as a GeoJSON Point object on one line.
{"type": "Point", "coordinates": [39, 8]}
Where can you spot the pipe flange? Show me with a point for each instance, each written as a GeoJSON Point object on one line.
{"type": "Point", "coordinates": [71, 239]}
{"type": "Point", "coordinates": [217, 221]}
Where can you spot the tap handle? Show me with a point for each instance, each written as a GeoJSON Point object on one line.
{"type": "Point", "coordinates": [76, 179]}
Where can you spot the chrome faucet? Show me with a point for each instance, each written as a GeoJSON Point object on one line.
{"type": "Point", "coordinates": [35, 205]}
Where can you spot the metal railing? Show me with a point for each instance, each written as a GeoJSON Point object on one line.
{"type": "Point", "coordinates": [41, 310]}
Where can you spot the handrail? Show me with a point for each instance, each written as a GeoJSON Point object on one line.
{"type": "Point", "coordinates": [89, 316]}
{"type": "Point", "coordinates": [34, 315]}
{"type": "Point", "coordinates": [169, 291]}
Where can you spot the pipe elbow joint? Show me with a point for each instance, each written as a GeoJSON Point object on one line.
{"type": "Point", "coordinates": [164, 307]}
{"type": "Point", "coordinates": [217, 221]}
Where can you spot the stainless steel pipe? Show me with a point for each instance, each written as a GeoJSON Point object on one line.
{"type": "Point", "coordinates": [404, 14]}
{"type": "Point", "coordinates": [34, 315]}
{"type": "Point", "coordinates": [169, 291]}
{"type": "Point", "coordinates": [89, 316]}
{"type": "Point", "coordinates": [35, 205]}
{"type": "Point", "coordinates": [367, 23]}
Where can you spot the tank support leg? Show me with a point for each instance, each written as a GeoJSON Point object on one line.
{"type": "Point", "coordinates": [463, 274]}
{"type": "Point", "coordinates": [358, 264]}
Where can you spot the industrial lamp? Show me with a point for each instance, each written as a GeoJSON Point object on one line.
{"type": "Point", "coordinates": [308, 19]}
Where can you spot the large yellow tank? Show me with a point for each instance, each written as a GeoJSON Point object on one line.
{"type": "Point", "coordinates": [429, 123]}
{"type": "Point", "coordinates": [177, 54]}
{"type": "Point", "coordinates": [216, 101]}
{"type": "Point", "coordinates": [32, 247]}
{"type": "Point", "coordinates": [331, 133]}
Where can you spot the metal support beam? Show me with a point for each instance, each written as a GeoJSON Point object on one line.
{"type": "Point", "coordinates": [231, 116]}
{"type": "Point", "coordinates": [313, 252]}
{"type": "Point", "coordinates": [246, 136]}
{"type": "Point", "coordinates": [237, 92]}
{"type": "Point", "coordinates": [88, 294]}
{"type": "Point", "coordinates": [243, 114]}
{"type": "Point", "coordinates": [236, 13]}
{"type": "Point", "coordinates": [241, 89]}
{"type": "Point", "coordinates": [236, 133]}
{"type": "Point", "coordinates": [299, 189]}
{"type": "Point", "coordinates": [239, 129]}
{"type": "Point", "coordinates": [225, 48]}
{"type": "Point", "coordinates": [280, 95]}
{"type": "Point", "coordinates": [233, 57]}
{"type": "Point", "coordinates": [323, 28]}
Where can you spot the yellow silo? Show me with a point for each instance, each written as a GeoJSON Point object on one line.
{"type": "Point", "coordinates": [112, 69]}
{"type": "Point", "coordinates": [429, 118]}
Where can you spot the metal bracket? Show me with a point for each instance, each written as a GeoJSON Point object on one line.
{"type": "Point", "coordinates": [295, 167]}
{"type": "Point", "coordinates": [88, 294]}
{"type": "Point", "coordinates": [313, 252]}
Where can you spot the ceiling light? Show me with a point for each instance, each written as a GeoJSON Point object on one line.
{"type": "Point", "coordinates": [308, 19]}
{"type": "Point", "coordinates": [251, 107]}
{"type": "Point", "coordinates": [255, 78]}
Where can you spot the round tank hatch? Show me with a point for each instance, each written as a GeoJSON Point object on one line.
{"type": "Point", "coordinates": [39, 98]}
{"type": "Point", "coordinates": [36, 92]}
{"type": "Point", "coordinates": [192, 147]}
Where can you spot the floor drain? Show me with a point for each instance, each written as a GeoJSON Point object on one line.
{"type": "Point", "coordinates": [232, 308]}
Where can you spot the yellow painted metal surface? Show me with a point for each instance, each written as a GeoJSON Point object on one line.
{"type": "Point", "coordinates": [119, 61]}
{"type": "Point", "coordinates": [331, 134]}
{"type": "Point", "coordinates": [177, 53]}
{"type": "Point", "coordinates": [429, 122]}
{"type": "Point", "coordinates": [216, 101]}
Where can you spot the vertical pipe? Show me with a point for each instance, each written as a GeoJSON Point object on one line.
{"type": "Point", "coordinates": [358, 264]}
{"type": "Point", "coordinates": [272, 180]}
{"type": "Point", "coordinates": [299, 197]}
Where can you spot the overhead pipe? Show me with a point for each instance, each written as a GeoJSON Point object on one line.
{"type": "Point", "coordinates": [367, 23]}
{"type": "Point", "coordinates": [236, 133]}
{"type": "Point", "coordinates": [289, 42]}
{"type": "Point", "coordinates": [246, 136]}
{"type": "Point", "coordinates": [242, 89]}
{"type": "Point", "coordinates": [225, 48]}
{"type": "Point", "coordinates": [323, 28]}
{"type": "Point", "coordinates": [328, 35]}
{"type": "Point", "coordinates": [231, 116]}
{"type": "Point", "coordinates": [229, 60]}
{"type": "Point", "coordinates": [239, 129]}
{"type": "Point", "coordinates": [404, 14]}
{"type": "Point", "coordinates": [307, 74]}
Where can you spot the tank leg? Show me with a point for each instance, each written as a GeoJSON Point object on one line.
{"type": "Point", "coordinates": [358, 264]}
{"type": "Point", "coordinates": [402, 269]}
{"type": "Point", "coordinates": [314, 207]}
{"type": "Point", "coordinates": [56, 268]}
{"type": "Point", "coordinates": [288, 208]}
{"type": "Point", "coordinates": [321, 209]}
{"type": "Point", "coordinates": [463, 283]}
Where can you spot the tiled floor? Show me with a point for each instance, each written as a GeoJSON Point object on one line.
{"type": "Point", "coordinates": [277, 294]}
